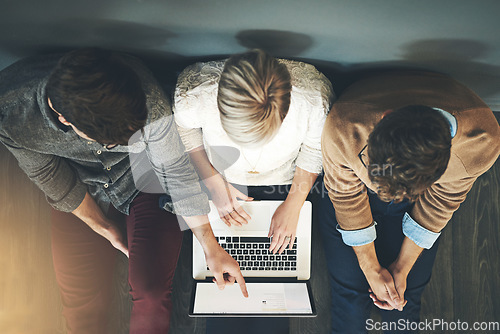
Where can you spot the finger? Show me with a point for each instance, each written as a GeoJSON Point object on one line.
{"type": "Point", "coordinates": [271, 229]}
{"type": "Point", "coordinates": [242, 213]}
{"type": "Point", "coordinates": [219, 280]}
{"type": "Point", "coordinates": [278, 241]}
{"type": "Point", "coordinates": [374, 299]}
{"type": "Point", "coordinates": [292, 241]}
{"type": "Point", "coordinates": [237, 217]}
{"type": "Point", "coordinates": [222, 216]}
{"type": "Point", "coordinates": [230, 218]}
{"type": "Point", "coordinates": [286, 242]}
{"type": "Point", "coordinates": [242, 196]}
{"type": "Point", "coordinates": [373, 296]}
{"type": "Point", "coordinates": [229, 279]}
{"type": "Point", "coordinates": [241, 281]}
{"type": "Point", "coordinates": [232, 221]}
{"type": "Point", "coordinates": [394, 300]}
{"type": "Point", "coordinates": [380, 303]}
{"type": "Point", "coordinates": [401, 293]}
{"type": "Point", "coordinates": [225, 221]}
{"type": "Point", "coordinates": [274, 241]}
{"type": "Point", "coordinates": [383, 305]}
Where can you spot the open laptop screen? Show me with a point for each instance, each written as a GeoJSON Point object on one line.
{"type": "Point", "coordinates": [265, 299]}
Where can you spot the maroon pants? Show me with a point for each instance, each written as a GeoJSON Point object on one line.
{"type": "Point", "coordinates": [84, 264]}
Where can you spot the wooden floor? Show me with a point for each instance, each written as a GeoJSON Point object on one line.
{"type": "Point", "coordinates": [465, 285]}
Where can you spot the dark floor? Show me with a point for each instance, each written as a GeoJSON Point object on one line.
{"type": "Point", "coordinates": [465, 284]}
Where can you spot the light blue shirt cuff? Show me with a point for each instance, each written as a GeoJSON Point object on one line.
{"type": "Point", "coordinates": [451, 119]}
{"type": "Point", "coordinates": [358, 237]}
{"type": "Point", "coordinates": [418, 234]}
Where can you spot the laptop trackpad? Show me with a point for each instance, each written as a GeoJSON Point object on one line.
{"type": "Point", "coordinates": [264, 299]}
{"type": "Point", "coordinates": [260, 213]}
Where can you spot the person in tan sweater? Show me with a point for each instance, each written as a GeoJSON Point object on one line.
{"type": "Point", "coordinates": [400, 150]}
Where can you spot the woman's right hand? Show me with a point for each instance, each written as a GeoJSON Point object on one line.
{"type": "Point", "coordinates": [225, 197]}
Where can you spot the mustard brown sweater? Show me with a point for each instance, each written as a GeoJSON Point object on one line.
{"type": "Point", "coordinates": [475, 147]}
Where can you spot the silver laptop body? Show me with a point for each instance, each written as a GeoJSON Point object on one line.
{"type": "Point", "coordinates": [256, 261]}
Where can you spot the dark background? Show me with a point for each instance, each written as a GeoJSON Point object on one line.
{"type": "Point", "coordinates": [458, 37]}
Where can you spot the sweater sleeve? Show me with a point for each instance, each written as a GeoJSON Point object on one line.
{"type": "Point", "coordinates": [435, 207]}
{"type": "Point", "coordinates": [195, 91]}
{"type": "Point", "coordinates": [166, 154]}
{"type": "Point", "coordinates": [346, 191]}
{"type": "Point", "coordinates": [188, 119]}
{"type": "Point", "coordinates": [52, 174]}
{"type": "Point", "coordinates": [309, 157]}
{"type": "Point", "coordinates": [473, 158]}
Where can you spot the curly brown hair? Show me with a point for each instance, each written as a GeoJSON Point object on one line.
{"type": "Point", "coordinates": [408, 150]}
{"type": "Point", "coordinates": [99, 94]}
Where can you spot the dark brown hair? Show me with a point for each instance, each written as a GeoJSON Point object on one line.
{"type": "Point", "coordinates": [408, 150]}
{"type": "Point", "coordinates": [253, 96]}
{"type": "Point", "coordinates": [100, 95]}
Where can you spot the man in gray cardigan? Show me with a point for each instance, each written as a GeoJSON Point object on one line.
{"type": "Point", "coordinates": [76, 124]}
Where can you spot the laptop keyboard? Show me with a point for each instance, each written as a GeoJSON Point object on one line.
{"type": "Point", "coordinates": [252, 253]}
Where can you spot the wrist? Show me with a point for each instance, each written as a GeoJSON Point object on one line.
{"type": "Point", "coordinates": [210, 246]}
{"type": "Point", "coordinates": [367, 259]}
{"type": "Point", "coordinates": [294, 202]}
{"type": "Point", "coordinates": [203, 232]}
{"type": "Point", "coordinates": [407, 257]}
{"type": "Point", "coordinates": [400, 267]}
{"type": "Point", "coordinates": [372, 271]}
{"type": "Point", "coordinates": [214, 182]}
{"type": "Point", "coordinates": [103, 227]}
{"type": "Point", "coordinates": [200, 226]}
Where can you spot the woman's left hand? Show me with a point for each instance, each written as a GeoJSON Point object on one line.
{"type": "Point", "coordinates": [284, 226]}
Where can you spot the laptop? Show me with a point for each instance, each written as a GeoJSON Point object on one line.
{"type": "Point", "coordinates": [278, 285]}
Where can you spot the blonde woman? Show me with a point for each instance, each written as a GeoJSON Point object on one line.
{"type": "Point", "coordinates": [256, 121]}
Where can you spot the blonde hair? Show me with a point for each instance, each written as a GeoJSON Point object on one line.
{"type": "Point", "coordinates": [253, 97]}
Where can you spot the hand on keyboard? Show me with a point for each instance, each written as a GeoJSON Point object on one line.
{"type": "Point", "coordinates": [283, 227]}
{"type": "Point", "coordinates": [252, 254]}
